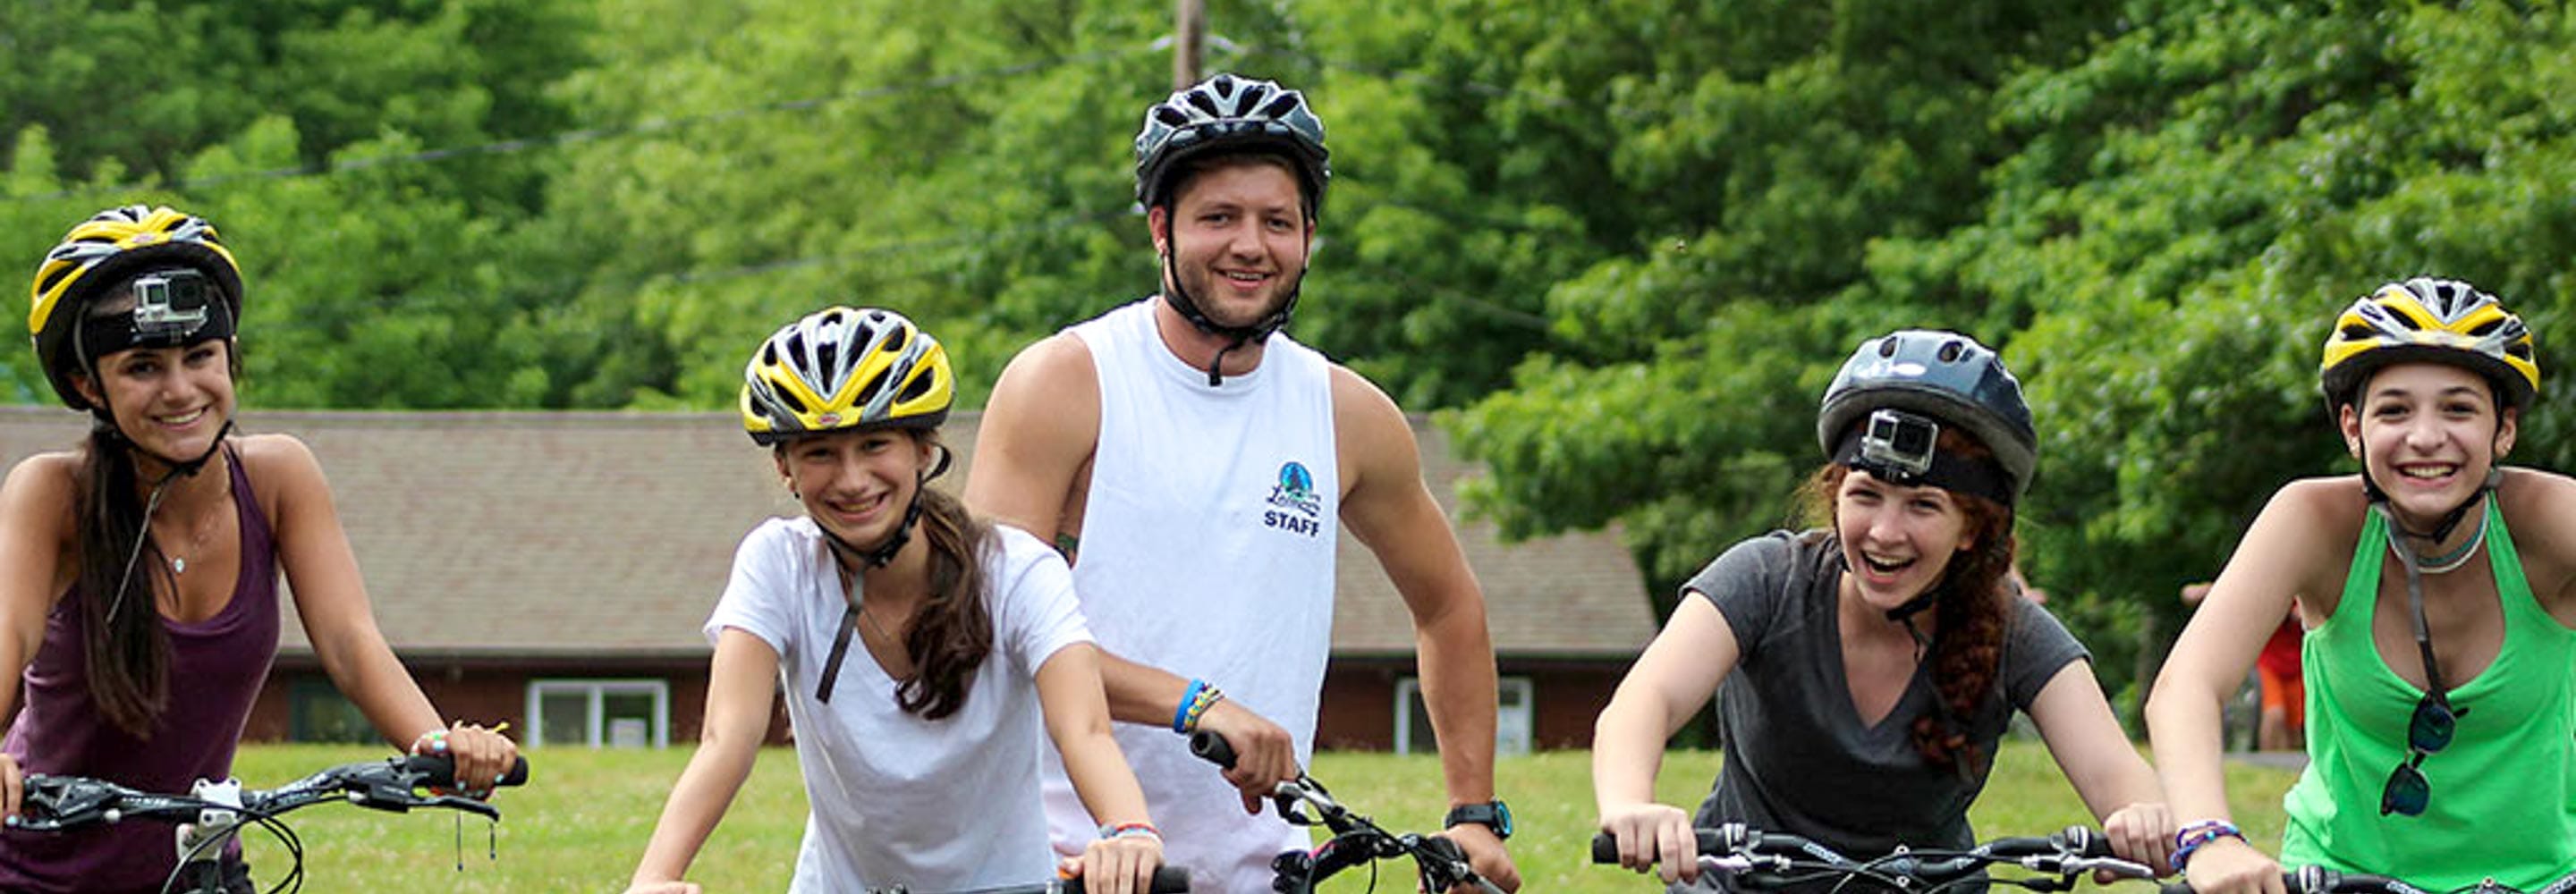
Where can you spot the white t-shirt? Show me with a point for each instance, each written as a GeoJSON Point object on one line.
{"type": "Point", "coordinates": [933, 805]}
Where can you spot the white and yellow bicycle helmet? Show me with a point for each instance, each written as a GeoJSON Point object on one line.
{"type": "Point", "coordinates": [844, 369]}
{"type": "Point", "coordinates": [108, 248]}
{"type": "Point", "coordinates": [2429, 320]}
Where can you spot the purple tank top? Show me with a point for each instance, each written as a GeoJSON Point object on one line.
{"type": "Point", "coordinates": [216, 669]}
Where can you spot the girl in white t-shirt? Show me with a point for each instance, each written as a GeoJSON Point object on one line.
{"type": "Point", "coordinates": [923, 653]}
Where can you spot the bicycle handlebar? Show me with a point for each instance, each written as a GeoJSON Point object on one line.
{"type": "Point", "coordinates": [1212, 748]}
{"type": "Point", "coordinates": [1356, 840]}
{"type": "Point", "coordinates": [2070, 852]}
{"type": "Point", "coordinates": [57, 803]}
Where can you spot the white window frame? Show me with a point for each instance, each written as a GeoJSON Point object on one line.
{"type": "Point", "coordinates": [595, 707]}
{"type": "Point", "coordinates": [1512, 725]}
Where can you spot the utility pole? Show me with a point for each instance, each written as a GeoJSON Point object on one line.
{"type": "Point", "coordinates": [1189, 40]}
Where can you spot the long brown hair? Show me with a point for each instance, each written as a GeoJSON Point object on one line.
{"type": "Point", "coordinates": [126, 654]}
{"type": "Point", "coordinates": [952, 632]}
{"type": "Point", "coordinates": [1970, 603]}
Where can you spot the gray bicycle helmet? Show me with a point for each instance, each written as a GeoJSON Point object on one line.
{"type": "Point", "coordinates": [1230, 114]}
{"type": "Point", "coordinates": [1898, 382]}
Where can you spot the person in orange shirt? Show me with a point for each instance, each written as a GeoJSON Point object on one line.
{"type": "Point", "coordinates": [2284, 723]}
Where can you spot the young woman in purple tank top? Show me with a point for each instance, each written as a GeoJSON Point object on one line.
{"type": "Point", "coordinates": [138, 579]}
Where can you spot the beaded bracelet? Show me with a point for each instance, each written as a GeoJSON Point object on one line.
{"type": "Point", "coordinates": [1199, 707]}
{"type": "Point", "coordinates": [1130, 830]}
{"type": "Point", "coordinates": [2194, 834]}
{"type": "Point", "coordinates": [1181, 720]}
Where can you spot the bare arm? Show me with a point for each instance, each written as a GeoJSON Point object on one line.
{"type": "Point", "coordinates": [331, 598]}
{"type": "Point", "coordinates": [1386, 505]}
{"type": "Point", "coordinates": [36, 509]}
{"type": "Point", "coordinates": [2278, 561]}
{"type": "Point", "coordinates": [1039, 430]}
{"type": "Point", "coordinates": [740, 685]}
{"type": "Point", "coordinates": [1678, 673]}
{"type": "Point", "coordinates": [1077, 720]}
{"type": "Point", "coordinates": [2085, 737]}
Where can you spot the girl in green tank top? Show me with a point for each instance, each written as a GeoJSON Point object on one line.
{"type": "Point", "coordinates": [2440, 697]}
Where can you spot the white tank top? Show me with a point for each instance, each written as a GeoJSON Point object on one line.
{"type": "Point", "coordinates": [1207, 549]}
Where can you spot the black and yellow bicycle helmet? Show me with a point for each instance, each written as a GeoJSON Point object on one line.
{"type": "Point", "coordinates": [2429, 320]}
{"type": "Point", "coordinates": [845, 369]}
{"type": "Point", "coordinates": [108, 249]}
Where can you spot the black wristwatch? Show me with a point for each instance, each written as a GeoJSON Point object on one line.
{"type": "Point", "coordinates": [1494, 815]}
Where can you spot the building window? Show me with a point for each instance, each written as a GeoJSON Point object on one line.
{"type": "Point", "coordinates": [317, 712]}
{"type": "Point", "coordinates": [599, 713]}
{"type": "Point", "coordinates": [1511, 717]}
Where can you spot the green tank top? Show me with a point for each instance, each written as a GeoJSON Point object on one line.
{"type": "Point", "coordinates": [2504, 792]}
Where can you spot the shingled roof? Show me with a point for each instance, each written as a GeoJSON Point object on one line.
{"type": "Point", "coordinates": [570, 534]}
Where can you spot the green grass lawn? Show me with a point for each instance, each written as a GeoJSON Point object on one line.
{"type": "Point", "coordinates": [583, 819]}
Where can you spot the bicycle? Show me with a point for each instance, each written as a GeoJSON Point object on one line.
{"type": "Point", "coordinates": [1356, 840]}
{"type": "Point", "coordinates": [1759, 860]}
{"type": "Point", "coordinates": [2320, 880]}
{"type": "Point", "coordinates": [212, 813]}
{"type": "Point", "coordinates": [1167, 880]}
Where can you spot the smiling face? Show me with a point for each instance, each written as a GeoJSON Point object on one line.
{"type": "Point", "coordinates": [856, 484]}
{"type": "Point", "coordinates": [1897, 540]}
{"type": "Point", "coordinates": [2428, 433]}
{"type": "Point", "coordinates": [171, 402]}
{"type": "Point", "coordinates": [1237, 235]}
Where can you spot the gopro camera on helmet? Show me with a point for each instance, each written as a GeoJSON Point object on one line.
{"type": "Point", "coordinates": [169, 306]}
{"type": "Point", "coordinates": [1897, 445]}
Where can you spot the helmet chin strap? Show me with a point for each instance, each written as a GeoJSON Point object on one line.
{"type": "Point", "coordinates": [883, 554]}
{"type": "Point", "coordinates": [152, 504]}
{"type": "Point", "coordinates": [1181, 300]}
{"type": "Point", "coordinates": [2441, 531]}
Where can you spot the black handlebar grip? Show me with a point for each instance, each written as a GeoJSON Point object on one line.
{"type": "Point", "coordinates": [440, 770]}
{"type": "Point", "coordinates": [1605, 849]}
{"type": "Point", "coordinates": [1212, 748]}
{"type": "Point", "coordinates": [1167, 880]}
{"type": "Point", "coordinates": [2089, 842]}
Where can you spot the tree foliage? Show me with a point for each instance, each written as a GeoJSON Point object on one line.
{"type": "Point", "coordinates": [1623, 243]}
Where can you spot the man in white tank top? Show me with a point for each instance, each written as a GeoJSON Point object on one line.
{"type": "Point", "coordinates": [1197, 466]}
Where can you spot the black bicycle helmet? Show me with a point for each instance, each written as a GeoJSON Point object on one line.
{"type": "Point", "coordinates": [1898, 382]}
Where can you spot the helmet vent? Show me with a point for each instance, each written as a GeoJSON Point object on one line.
{"type": "Point", "coordinates": [789, 398]}
{"type": "Point", "coordinates": [2358, 331]}
{"type": "Point", "coordinates": [1282, 106]}
{"type": "Point", "coordinates": [895, 341]}
{"type": "Point", "coordinates": [1887, 347]}
{"type": "Point", "coordinates": [2487, 327]}
{"type": "Point", "coordinates": [46, 284]}
{"type": "Point", "coordinates": [919, 386]}
{"type": "Point", "coordinates": [1950, 351]}
{"type": "Point", "coordinates": [874, 382]}
{"type": "Point", "coordinates": [827, 356]}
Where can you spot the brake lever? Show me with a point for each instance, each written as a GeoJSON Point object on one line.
{"type": "Point", "coordinates": [462, 804]}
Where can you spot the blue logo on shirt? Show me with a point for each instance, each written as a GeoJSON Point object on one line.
{"type": "Point", "coordinates": [1295, 490]}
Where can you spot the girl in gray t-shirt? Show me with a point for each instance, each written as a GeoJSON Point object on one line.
{"type": "Point", "coordinates": [1871, 664]}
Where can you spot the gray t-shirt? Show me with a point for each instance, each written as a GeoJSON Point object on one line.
{"type": "Point", "coordinates": [1798, 758]}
